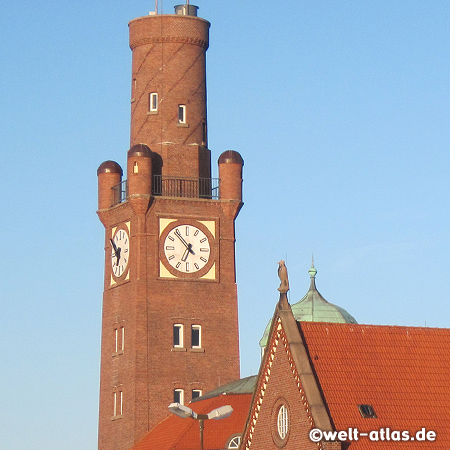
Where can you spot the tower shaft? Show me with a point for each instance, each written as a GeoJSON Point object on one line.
{"type": "Point", "coordinates": [170, 315]}
{"type": "Point", "coordinates": [168, 105]}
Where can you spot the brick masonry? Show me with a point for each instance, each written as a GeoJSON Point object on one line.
{"type": "Point", "coordinates": [168, 58]}
{"type": "Point", "coordinates": [278, 385]}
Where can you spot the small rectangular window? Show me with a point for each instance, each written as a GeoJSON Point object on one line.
{"type": "Point", "coordinates": [178, 396]}
{"type": "Point", "coordinates": [196, 393]}
{"type": "Point", "coordinates": [181, 113]}
{"type": "Point", "coordinates": [153, 102]}
{"type": "Point", "coordinates": [122, 341]}
{"type": "Point", "coordinates": [178, 335]}
{"type": "Point", "coordinates": [196, 336]}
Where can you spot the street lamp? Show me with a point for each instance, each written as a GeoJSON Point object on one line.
{"type": "Point", "coordinates": [184, 412]}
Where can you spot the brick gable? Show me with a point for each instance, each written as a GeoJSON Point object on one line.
{"type": "Point", "coordinates": [279, 383]}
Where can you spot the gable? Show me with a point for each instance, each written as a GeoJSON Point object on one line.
{"type": "Point", "coordinates": [279, 386]}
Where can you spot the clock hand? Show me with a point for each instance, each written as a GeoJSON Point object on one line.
{"type": "Point", "coordinates": [185, 255]}
{"type": "Point", "coordinates": [114, 246]}
{"type": "Point", "coordinates": [178, 235]}
{"type": "Point", "coordinates": [116, 251]}
{"type": "Point", "coordinates": [186, 252]}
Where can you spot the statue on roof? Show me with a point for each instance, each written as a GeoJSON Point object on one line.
{"type": "Point", "coordinates": [282, 273]}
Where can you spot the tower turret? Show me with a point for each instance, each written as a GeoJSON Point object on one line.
{"type": "Point", "coordinates": [168, 104]}
{"type": "Point", "coordinates": [139, 173]}
{"type": "Point", "coordinates": [230, 174]}
{"type": "Point", "coordinates": [109, 175]}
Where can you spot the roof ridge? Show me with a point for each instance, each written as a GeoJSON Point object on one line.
{"type": "Point", "coordinates": [369, 325]}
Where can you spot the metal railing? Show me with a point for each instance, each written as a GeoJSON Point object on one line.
{"type": "Point", "coordinates": [168, 186]}
{"type": "Point", "coordinates": [119, 192]}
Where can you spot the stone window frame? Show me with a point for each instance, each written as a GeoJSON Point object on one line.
{"type": "Point", "coordinates": [199, 328]}
{"type": "Point", "coordinates": [180, 393]}
{"type": "Point", "coordinates": [153, 102]}
{"type": "Point", "coordinates": [180, 334]}
{"type": "Point", "coordinates": [182, 115]}
{"type": "Point", "coordinates": [281, 404]}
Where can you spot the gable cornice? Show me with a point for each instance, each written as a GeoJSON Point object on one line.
{"type": "Point", "coordinates": [303, 368]}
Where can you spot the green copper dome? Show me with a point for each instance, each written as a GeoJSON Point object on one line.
{"type": "Point", "coordinates": [314, 308]}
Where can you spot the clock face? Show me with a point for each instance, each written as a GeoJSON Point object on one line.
{"type": "Point", "coordinates": [120, 250]}
{"type": "Point", "coordinates": [187, 248]}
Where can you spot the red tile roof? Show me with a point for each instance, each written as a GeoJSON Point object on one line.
{"type": "Point", "coordinates": [183, 434]}
{"type": "Point", "coordinates": [403, 372]}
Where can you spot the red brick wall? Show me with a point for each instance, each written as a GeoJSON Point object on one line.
{"type": "Point", "coordinates": [148, 306]}
{"type": "Point", "coordinates": [169, 58]}
{"type": "Point", "coordinates": [281, 387]}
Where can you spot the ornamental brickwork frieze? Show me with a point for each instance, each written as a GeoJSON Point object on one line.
{"type": "Point", "coordinates": [169, 40]}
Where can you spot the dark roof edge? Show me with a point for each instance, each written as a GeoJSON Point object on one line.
{"type": "Point", "coordinates": [305, 372]}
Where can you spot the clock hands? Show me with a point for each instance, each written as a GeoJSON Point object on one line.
{"type": "Point", "coordinates": [178, 235]}
{"type": "Point", "coordinates": [188, 246]}
{"type": "Point", "coordinates": [120, 248]}
{"type": "Point", "coordinates": [186, 252]}
{"type": "Point", "coordinates": [186, 249]}
{"type": "Point", "coordinates": [117, 251]}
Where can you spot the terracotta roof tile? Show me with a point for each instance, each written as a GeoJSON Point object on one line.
{"type": "Point", "coordinates": [183, 434]}
{"type": "Point", "coordinates": [403, 372]}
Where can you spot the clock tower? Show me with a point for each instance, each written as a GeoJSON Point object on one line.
{"type": "Point", "coordinates": [170, 316]}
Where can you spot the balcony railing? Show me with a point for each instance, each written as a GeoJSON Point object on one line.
{"type": "Point", "coordinates": [167, 186]}
{"type": "Point", "coordinates": [119, 192]}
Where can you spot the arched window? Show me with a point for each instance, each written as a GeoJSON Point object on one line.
{"type": "Point", "coordinates": [234, 442]}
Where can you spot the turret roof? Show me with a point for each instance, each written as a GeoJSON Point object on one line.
{"type": "Point", "coordinates": [314, 308]}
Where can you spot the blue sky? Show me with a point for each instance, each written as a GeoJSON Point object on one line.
{"type": "Point", "coordinates": [341, 113]}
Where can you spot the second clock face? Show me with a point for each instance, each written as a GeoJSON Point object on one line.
{"type": "Point", "coordinates": [120, 247]}
{"type": "Point", "coordinates": [187, 248]}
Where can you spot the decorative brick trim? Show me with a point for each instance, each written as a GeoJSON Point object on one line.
{"type": "Point", "coordinates": [169, 40]}
{"type": "Point", "coordinates": [277, 337]}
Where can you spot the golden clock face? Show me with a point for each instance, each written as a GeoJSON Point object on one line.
{"type": "Point", "coordinates": [187, 249]}
{"type": "Point", "coordinates": [120, 252]}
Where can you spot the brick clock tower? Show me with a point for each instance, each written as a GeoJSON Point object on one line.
{"type": "Point", "coordinates": [170, 318]}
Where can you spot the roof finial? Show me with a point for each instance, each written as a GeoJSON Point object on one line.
{"type": "Point", "coordinates": [312, 273]}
